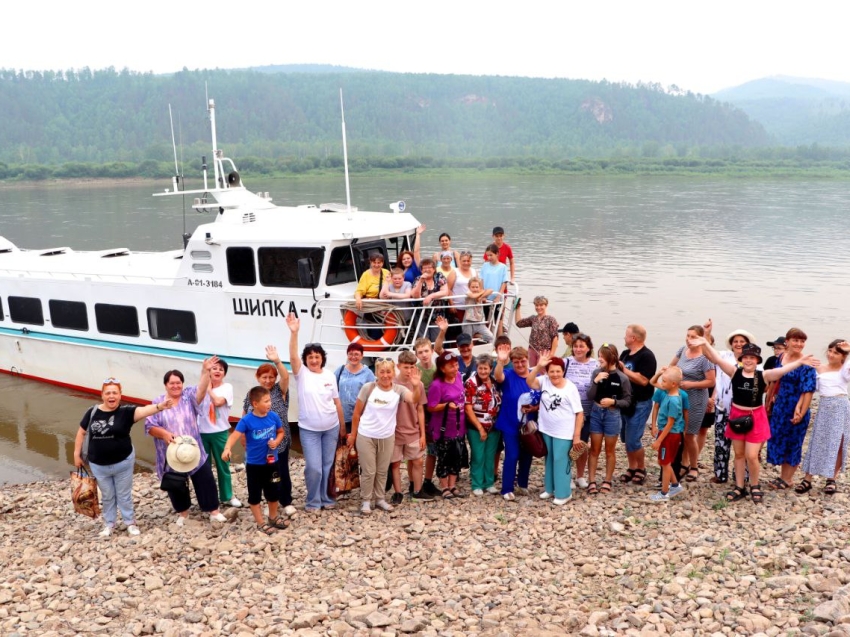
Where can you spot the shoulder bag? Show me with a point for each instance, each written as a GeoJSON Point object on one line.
{"type": "Point", "coordinates": [84, 452]}
{"type": "Point", "coordinates": [530, 438]}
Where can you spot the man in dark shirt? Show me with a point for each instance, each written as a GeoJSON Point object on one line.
{"type": "Point", "coordinates": [778, 349]}
{"type": "Point", "coordinates": [638, 363]}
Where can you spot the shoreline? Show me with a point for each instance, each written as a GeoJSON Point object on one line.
{"type": "Point", "coordinates": [600, 565]}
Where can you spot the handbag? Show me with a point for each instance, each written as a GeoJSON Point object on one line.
{"type": "Point", "coordinates": [741, 425]}
{"type": "Point", "coordinates": [578, 450]}
{"type": "Point", "coordinates": [452, 451]}
{"type": "Point", "coordinates": [530, 438]}
{"type": "Point", "coordinates": [84, 451]}
{"type": "Point", "coordinates": [345, 475]}
{"type": "Point", "coordinates": [173, 481]}
{"type": "Point", "coordinates": [84, 493]}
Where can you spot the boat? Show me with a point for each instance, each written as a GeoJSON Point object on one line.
{"type": "Point", "coordinates": [73, 318]}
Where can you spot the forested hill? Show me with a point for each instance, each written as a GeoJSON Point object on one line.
{"type": "Point", "coordinates": [103, 116]}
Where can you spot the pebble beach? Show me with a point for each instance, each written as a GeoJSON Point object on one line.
{"type": "Point", "coordinates": [609, 564]}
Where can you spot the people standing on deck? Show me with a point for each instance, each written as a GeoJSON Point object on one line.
{"type": "Point", "coordinates": [372, 280]}
{"type": "Point", "coordinates": [505, 253]}
{"type": "Point", "coordinates": [446, 246]}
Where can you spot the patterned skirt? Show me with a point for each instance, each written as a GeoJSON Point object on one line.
{"type": "Point", "coordinates": [830, 434]}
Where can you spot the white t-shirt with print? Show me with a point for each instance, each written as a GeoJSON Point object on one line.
{"type": "Point", "coordinates": [558, 409]}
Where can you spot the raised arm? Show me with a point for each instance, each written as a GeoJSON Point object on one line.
{"type": "Point", "coordinates": [274, 358]}
{"type": "Point", "coordinates": [417, 243]}
{"type": "Point", "coordinates": [776, 373]}
{"type": "Point", "coordinates": [294, 324]}
{"type": "Point", "coordinates": [204, 383]}
{"type": "Point", "coordinates": [503, 353]}
{"type": "Point", "coordinates": [714, 356]}
{"type": "Point", "coordinates": [443, 325]}
{"type": "Point", "coordinates": [150, 410]}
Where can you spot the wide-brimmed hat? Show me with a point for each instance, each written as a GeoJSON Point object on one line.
{"type": "Point", "coordinates": [751, 349]}
{"type": "Point", "coordinates": [183, 454]}
{"type": "Point", "coordinates": [744, 333]}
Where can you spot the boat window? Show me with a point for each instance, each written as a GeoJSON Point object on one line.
{"type": "Point", "coordinates": [362, 252]}
{"type": "Point", "coordinates": [240, 266]}
{"type": "Point", "coordinates": [340, 267]}
{"type": "Point", "coordinates": [201, 255]}
{"type": "Point", "coordinates": [2, 314]}
{"type": "Point", "coordinates": [279, 266]}
{"type": "Point", "coordinates": [172, 325]}
{"type": "Point", "coordinates": [25, 309]}
{"type": "Point", "coordinates": [394, 246]}
{"type": "Point", "coordinates": [202, 267]}
{"type": "Point", "coordinates": [122, 320]}
{"type": "Point", "coordinates": [70, 315]}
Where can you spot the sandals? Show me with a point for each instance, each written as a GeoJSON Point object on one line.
{"type": "Point", "coordinates": [804, 487]}
{"type": "Point", "coordinates": [693, 474]}
{"type": "Point", "coordinates": [447, 494]}
{"type": "Point", "coordinates": [266, 528]}
{"type": "Point", "coordinates": [738, 493]}
{"type": "Point", "coordinates": [683, 472]}
{"type": "Point", "coordinates": [279, 522]}
{"type": "Point", "coordinates": [830, 487]}
{"type": "Point", "coordinates": [639, 476]}
{"type": "Point", "coordinates": [606, 487]}
{"type": "Point", "coordinates": [716, 480]}
{"type": "Point", "coordinates": [779, 484]}
{"type": "Point", "coordinates": [458, 493]}
{"type": "Point", "coordinates": [592, 489]}
{"type": "Point", "coordinates": [629, 475]}
{"type": "Point", "coordinates": [756, 493]}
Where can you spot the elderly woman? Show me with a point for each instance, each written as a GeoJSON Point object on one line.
{"type": "Point", "coordinates": [698, 376]}
{"type": "Point", "coordinates": [827, 452]}
{"type": "Point", "coordinates": [432, 288]}
{"type": "Point", "coordinates": [371, 281]}
{"type": "Point", "coordinates": [512, 383]}
{"type": "Point", "coordinates": [448, 423]}
{"type": "Point", "coordinates": [320, 418]}
{"type": "Point", "coordinates": [722, 401]}
{"type": "Point", "coordinates": [111, 456]}
{"type": "Point", "coordinates": [182, 420]}
{"type": "Point", "coordinates": [789, 418]}
{"type": "Point", "coordinates": [373, 430]}
{"type": "Point", "coordinates": [350, 378]}
{"type": "Point", "coordinates": [483, 400]}
{"type": "Point", "coordinates": [560, 421]}
{"type": "Point", "coordinates": [274, 377]}
{"type": "Point", "coordinates": [748, 387]}
{"type": "Point", "coordinates": [544, 330]}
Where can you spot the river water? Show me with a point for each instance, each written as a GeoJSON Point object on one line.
{"type": "Point", "coordinates": [764, 255]}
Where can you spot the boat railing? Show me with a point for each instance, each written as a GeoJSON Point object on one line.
{"type": "Point", "coordinates": [385, 327]}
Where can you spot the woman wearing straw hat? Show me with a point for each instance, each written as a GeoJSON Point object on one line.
{"type": "Point", "coordinates": [177, 440]}
{"type": "Point", "coordinates": [111, 455]}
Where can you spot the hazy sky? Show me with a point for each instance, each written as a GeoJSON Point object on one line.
{"type": "Point", "coordinates": [700, 46]}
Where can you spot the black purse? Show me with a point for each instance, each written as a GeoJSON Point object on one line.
{"type": "Point", "coordinates": [742, 425]}
{"type": "Point", "coordinates": [454, 450]}
{"type": "Point", "coordinates": [173, 481]}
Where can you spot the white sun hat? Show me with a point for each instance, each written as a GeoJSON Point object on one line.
{"type": "Point", "coordinates": [183, 454]}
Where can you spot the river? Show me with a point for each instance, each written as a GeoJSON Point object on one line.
{"type": "Point", "coordinates": [763, 255]}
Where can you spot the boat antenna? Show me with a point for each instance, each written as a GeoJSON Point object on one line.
{"type": "Point", "coordinates": [178, 176]}
{"type": "Point", "coordinates": [345, 154]}
{"type": "Point", "coordinates": [174, 147]}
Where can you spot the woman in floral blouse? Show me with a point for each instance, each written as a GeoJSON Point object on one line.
{"type": "Point", "coordinates": [544, 330]}
{"type": "Point", "coordinates": [482, 406]}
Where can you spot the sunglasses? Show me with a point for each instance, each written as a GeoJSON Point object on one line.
{"type": "Point", "coordinates": [111, 381]}
{"type": "Point", "coordinates": [309, 345]}
{"type": "Point", "coordinates": [465, 253]}
{"type": "Point", "coordinates": [384, 360]}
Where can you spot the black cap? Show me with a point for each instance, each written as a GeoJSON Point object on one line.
{"type": "Point", "coordinates": [463, 339]}
{"type": "Point", "coordinates": [570, 328]}
{"type": "Point", "coordinates": [498, 230]}
{"type": "Point", "coordinates": [780, 340]}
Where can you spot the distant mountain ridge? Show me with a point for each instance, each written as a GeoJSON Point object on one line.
{"type": "Point", "coordinates": [795, 110]}
{"type": "Point", "coordinates": [107, 115]}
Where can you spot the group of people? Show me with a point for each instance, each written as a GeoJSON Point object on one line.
{"type": "Point", "coordinates": [443, 411]}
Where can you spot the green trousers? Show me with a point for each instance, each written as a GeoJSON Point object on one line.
{"type": "Point", "coordinates": [214, 445]}
{"type": "Point", "coordinates": [482, 455]}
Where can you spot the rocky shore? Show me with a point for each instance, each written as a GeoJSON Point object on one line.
{"type": "Point", "coordinates": [601, 565]}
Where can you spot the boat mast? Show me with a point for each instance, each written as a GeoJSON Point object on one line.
{"type": "Point", "coordinates": [345, 155]}
{"type": "Point", "coordinates": [211, 109]}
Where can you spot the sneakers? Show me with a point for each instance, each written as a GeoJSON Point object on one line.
{"type": "Point", "coordinates": [562, 501]}
{"type": "Point", "coordinates": [545, 495]}
{"type": "Point", "coordinates": [410, 488]}
{"type": "Point", "coordinates": [289, 510]}
{"type": "Point", "coordinates": [217, 517]}
{"type": "Point", "coordinates": [492, 490]}
{"type": "Point", "coordinates": [237, 466]}
{"type": "Point", "coordinates": [383, 505]}
{"type": "Point", "coordinates": [429, 488]}
{"type": "Point", "coordinates": [329, 507]}
{"type": "Point", "coordinates": [181, 521]}
{"type": "Point", "coordinates": [107, 531]}
{"type": "Point", "coordinates": [478, 492]}
{"type": "Point", "coordinates": [521, 491]}
{"type": "Point", "coordinates": [572, 485]}
{"type": "Point", "coordinates": [234, 502]}
{"type": "Point", "coordinates": [582, 482]}
{"type": "Point", "coordinates": [365, 508]}
{"type": "Point", "coordinates": [510, 497]}
{"type": "Point", "coordinates": [675, 489]}
{"type": "Point", "coordinates": [660, 497]}
{"type": "Point", "coordinates": [132, 529]}
{"type": "Point", "coordinates": [421, 496]}
{"type": "Point", "coordinates": [397, 498]}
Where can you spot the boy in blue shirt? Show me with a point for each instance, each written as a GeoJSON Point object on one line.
{"type": "Point", "coordinates": [669, 417]}
{"type": "Point", "coordinates": [263, 433]}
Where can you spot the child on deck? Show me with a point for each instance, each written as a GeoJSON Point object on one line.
{"type": "Point", "coordinates": [264, 433]}
{"type": "Point", "coordinates": [397, 288]}
{"type": "Point", "coordinates": [668, 416]}
{"type": "Point", "coordinates": [473, 318]}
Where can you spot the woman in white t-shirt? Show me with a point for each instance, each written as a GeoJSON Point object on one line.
{"type": "Point", "coordinates": [373, 430]}
{"type": "Point", "coordinates": [560, 421]}
{"type": "Point", "coordinates": [320, 417]}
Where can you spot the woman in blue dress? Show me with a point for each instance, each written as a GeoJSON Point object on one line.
{"type": "Point", "coordinates": [789, 417]}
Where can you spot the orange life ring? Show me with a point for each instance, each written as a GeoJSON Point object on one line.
{"type": "Point", "coordinates": [353, 331]}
